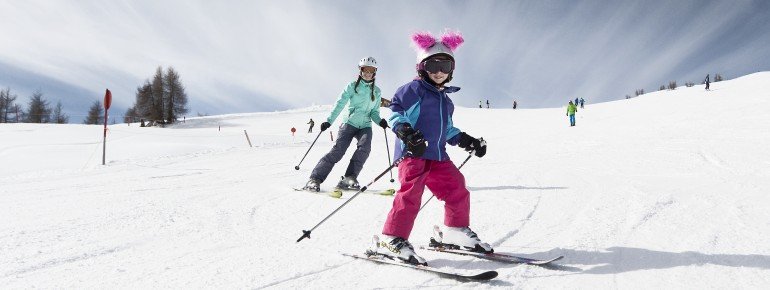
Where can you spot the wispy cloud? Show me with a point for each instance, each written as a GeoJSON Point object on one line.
{"type": "Point", "coordinates": [240, 56]}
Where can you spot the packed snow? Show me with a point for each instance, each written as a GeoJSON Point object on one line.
{"type": "Point", "coordinates": [666, 190]}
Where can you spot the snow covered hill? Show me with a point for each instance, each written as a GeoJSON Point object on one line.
{"type": "Point", "coordinates": [667, 190]}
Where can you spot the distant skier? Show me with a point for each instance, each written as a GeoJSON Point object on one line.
{"type": "Point", "coordinates": [514, 105]}
{"type": "Point", "coordinates": [423, 136]}
{"type": "Point", "coordinates": [571, 110]}
{"type": "Point", "coordinates": [480, 105]}
{"type": "Point", "coordinates": [707, 81]}
{"type": "Point", "coordinates": [487, 104]}
{"type": "Point", "coordinates": [582, 102]}
{"type": "Point", "coordinates": [362, 98]}
{"type": "Point", "coordinates": [576, 101]}
{"type": "Point", "coordinates": [310, 130]}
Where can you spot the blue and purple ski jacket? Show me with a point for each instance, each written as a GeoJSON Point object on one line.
{"type": "Point", "coordinates": [429, 110]}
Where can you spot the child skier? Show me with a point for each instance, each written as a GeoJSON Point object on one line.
{"type": "Point", "coordinates": [571, 110]}
{"type": "Point", "coordinates": [422, 120]}
{"type": "Point", "coordinates": [362, 97]}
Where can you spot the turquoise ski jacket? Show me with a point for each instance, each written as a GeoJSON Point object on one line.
{"type": "Point", "coordinates": [361, 109]}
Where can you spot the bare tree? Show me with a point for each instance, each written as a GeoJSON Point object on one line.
{"type": "Point", "coordinates": [672, 85]}
{"type": "Point", "coordinates": [158, 96]}
{"type": "Point", "coordinates": [6, 104]}
{"type": "Point", "coordinates": [639, 92]}
{"type": "Point", "coordinates": [38, 111]}
{"type": "Point", "coordinates": [662, 87]}
{"type": "Point", "coordinates": [95, 113]}
{"type": "Point", "coordinates": [718, 78]}
{"type": "Point", "coordinates": [177, 97]}
{"type": "Point", "coordinates": [130, 115]}
{"type": "Point", "coordinates": [60, 117]}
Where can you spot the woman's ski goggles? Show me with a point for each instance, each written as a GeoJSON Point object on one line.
{"type": "Point", "coordinates": [435, 65]}
{"type": "Point", "coordinates": [368, 69]}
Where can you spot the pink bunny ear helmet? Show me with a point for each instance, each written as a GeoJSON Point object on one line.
{"type": "Point", "coordinates": [427, 45]}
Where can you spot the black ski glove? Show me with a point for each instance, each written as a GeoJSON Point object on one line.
{"type": "Point", "coordinates": [384, 124]}
{"type": "Point", "coordinates": [413, 139]}
{"type": "Point", "coordinates": [469, 143]}
{"type": "Point", "coordinates": [325, 125]}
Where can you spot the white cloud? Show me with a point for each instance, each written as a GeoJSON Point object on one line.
{"type": "Point", "coordinates": [239, 56]}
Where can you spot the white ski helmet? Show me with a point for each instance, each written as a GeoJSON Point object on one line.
{"type": "Point", "coordinates": [367, 61]}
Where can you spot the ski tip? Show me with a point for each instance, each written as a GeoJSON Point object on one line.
{"type": "Point", "coordinates": [488, 275]}
{"type": "Point", "coordinates": [388, 192]}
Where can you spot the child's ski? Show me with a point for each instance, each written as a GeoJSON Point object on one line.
{"type": "Point", "coordinates": [499, 257]}
{"type": "Point", "coordinates": [483, 276]}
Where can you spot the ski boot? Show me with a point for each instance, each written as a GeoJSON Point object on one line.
{"type": "Point", "coordinates": [395, 248]}
{"type": "Point", "coordinates": [348, 183]}
{"type": "Point", "coordinates": [462, 238]}
{"type": "Point", "coordinates": [312, 185]}
{"type": "Point", "coordinates": [345, 184]}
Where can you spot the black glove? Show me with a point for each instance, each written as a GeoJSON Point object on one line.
{"type": "Point", "coordinates": [384, 124]}
{"type": "Point", "coordinates": [469, 143]}
{"type": "Point", "coordinates": [413, 139]}
{"type": "Point", "coordinates": [325, 125]}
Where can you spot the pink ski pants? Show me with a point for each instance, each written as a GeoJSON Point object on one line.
{"type": "Point", "coordinates": [443, 179]}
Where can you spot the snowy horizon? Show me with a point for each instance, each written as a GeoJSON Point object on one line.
{"type": "Point", "coordinates": [664, 191]}
{"type": "Point", "coordinates": [247, 56]}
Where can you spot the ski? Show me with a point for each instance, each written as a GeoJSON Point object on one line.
{"type": "Point", "coordinates": [387, 192]}
{"type": "Point", "coordinates": [483, 276]}
{"type": "Point", "coordinates": [336, 193]}
{"type": "Point", "coordinates": [499, 257]}
{"type": "Point", "coordinates": [331, 193]}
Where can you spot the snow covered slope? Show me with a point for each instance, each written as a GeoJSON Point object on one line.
{"type": "Point", "coordinates": [667, 190]}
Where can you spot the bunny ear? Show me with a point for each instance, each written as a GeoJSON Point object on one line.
{"type": "Point", "coordinates": [423, 40]}
{"type": "Point", "coordinates": [452, 39]}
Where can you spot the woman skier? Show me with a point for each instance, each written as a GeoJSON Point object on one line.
{"type": "Point", "coordinates": [422, 120]}
{"type": "Point", "coordinates": [362, 98]}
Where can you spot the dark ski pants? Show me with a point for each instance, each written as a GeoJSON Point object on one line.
{"type": "Point", "coordinates": [344, 137]}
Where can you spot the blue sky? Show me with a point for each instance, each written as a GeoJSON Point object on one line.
{"type": "Point", "coordinates": [249, 56]}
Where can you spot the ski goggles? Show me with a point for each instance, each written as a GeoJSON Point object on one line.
{"type": "Point", "coordinates": [435, 65]}
{"type": "Point", "coordinates": [368, 69]}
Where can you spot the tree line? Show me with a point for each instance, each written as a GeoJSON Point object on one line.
{"type": "Point", "coordinates": [38, 110]}
{"type": "Point", "coordinates": [672, 86]}
{"type": "Point", "coordinates": [162, 100]}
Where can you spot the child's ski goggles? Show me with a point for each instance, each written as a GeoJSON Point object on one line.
{"type": "Point", "coordinates": [435, 65]}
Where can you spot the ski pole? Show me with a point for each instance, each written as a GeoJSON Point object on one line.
{"type": "Point", "coordinates": [388, 148]}
{"type": "Point", "coordinates": [458, 168]}
{"type": "Point", "coordinates": [306, 234]}
{"type": "Point", "coordinates": [308, 150]}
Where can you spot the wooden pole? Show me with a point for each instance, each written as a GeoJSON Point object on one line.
{"type": "Point", "coordinates": [247, 138]}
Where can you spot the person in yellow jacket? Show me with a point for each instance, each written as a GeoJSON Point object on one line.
{"type": "Point", "coordinates": [571, 110]}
